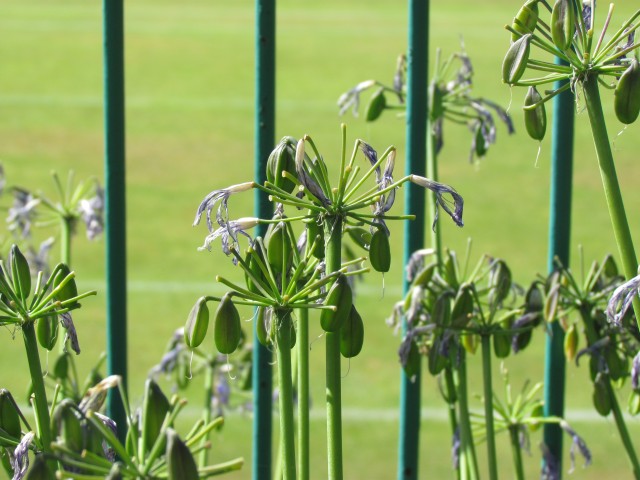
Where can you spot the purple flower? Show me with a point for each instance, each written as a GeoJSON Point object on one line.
{"type": "Point", "coordinates": [221, 196]}
{"type": "Point", "coordinates": [22, 212]}
{"type": "Point", "coordinates": [67, 322]}
{"type": "Point", "coordinates": [228, 232]}
{"type": "Point", "coordinates": [92, 213]}
{"type": "Point", "coordinates": [577, 444]}
{"type": "Point", "coordinates": [440, 190]}
{"type": "Point", "coordinates": [20, 458]}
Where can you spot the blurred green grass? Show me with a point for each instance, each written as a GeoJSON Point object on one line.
{"type": "Point", "coordinates": [190, 88]}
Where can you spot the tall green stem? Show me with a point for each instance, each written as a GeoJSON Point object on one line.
{"type": "Point", "coordinates": [66, 228]}
{"type": "Point", "coordinates": [488, 406]}
{"type": "Point", "coordinates": [514, 434]}
{"type": "Point", "coordinates": [592, 337]}
{"type": "Point", "coordinates": [206, 413]}
{"type": "Point", "coordinates": [37, 381]}
{"type": "Point", "coordinates": [467, 446]}
{"type": "Point", "coordinates": [450, 394]}
{"type": "Point", "coordinates": [283, 349]}
{"type": "Point", "coordinates": [303, 393]}
{"type": "Point", "coordinates": [333, 232]}
{"type": "Point", "coordinates": [610, 184]}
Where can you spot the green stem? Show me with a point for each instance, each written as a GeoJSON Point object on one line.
{"type": "Point", "coordinates": [39, 393]}
{"type": "Point", "coordinates": [333, 255]}
{"type": "Point", "coordinates": [206, 413]}
{"type": "Point", "coordinates": [66, 227]}
{"type": "Point", "coordinates": [610, 184]}
{"type": "Point", "coordinates": [488, 406]}
{"type": "Point", "coordinates": [450, 394]}
{"type": "Point", "coordinates": [592, 337]}
{"type": "Point", "coordinates": [467, 446]}
{"type": "Point", "coordinates": [517, 451]}
{"type": "Point", "coordinates": [283, 349]}
{"type": "Point", "coordinates": [303, 392]}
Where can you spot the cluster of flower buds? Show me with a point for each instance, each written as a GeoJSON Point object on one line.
{"type": "Point", "coordinates": [569, 35]}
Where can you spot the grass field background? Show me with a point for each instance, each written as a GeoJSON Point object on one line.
{"type": "Point", "coordinates": [190, 108]}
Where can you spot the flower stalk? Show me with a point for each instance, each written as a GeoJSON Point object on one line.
{"type": "Point", "coordinates": [488, 405]}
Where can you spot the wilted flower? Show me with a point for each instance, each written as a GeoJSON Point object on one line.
{"type": "Point", "coordinates": [92, 213]}
{"type": "Point", "coordinates": [221, 196]}
{"type": "Point", "coordinates": [20, 458]}
{"type": "Point", "coordinates": [67, 322]}
{"type": "Point", "coordinates": [550, 465]}
{"type": "Point", "coordinates": [109, 452]}
{"type": "Point", "coordinates": [416, 262]}
{"type": "Point", "coordinates": [577, 443]}
{"type": "Point", "coordinates": [352, 97]}
{"type": "Point", "coordinates": [440, 190]}
{"type": "Point", "coordinates": [305, 179]}
{"type": "Point", "coordinates": [595, 348]}
{"type": "Point", "coordinates": [622, 299]}
{"type": "Point", "coordinates": [455, 448]}
{"type": "Point", "coordinates": [22, 212]}
{"type": "Point", "coordinates": [228, 232]}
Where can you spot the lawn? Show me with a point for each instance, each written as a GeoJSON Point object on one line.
{"type": "Point", "coordinates": [190, 86]}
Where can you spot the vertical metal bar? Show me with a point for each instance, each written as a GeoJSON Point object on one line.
{"type": "Point", "coordinates": [115, 221]}
{"type": "Point", "coordinates": [264, 141]}
{"type": "Point", "coordinates": [417, 62]}
{"type": "Point", "coordinates": [559, 237]}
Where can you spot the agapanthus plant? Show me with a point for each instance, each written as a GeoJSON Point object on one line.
{"type": "Point", "coordinates": [280, 277]}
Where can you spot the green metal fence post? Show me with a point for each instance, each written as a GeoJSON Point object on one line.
{"type": "Point", "coordinates": [264, 142]}
{"type": "Point", "coordinates": [559, 235]}
{"type": "Point", "coordinates": [417, 62]}
{"type": "Point", "coordinates": [115, 221]}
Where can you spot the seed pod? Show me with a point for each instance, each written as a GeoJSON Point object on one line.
{"type": "Point", "coordinates": [282, 158]}
{"type": "Point", "coordinates": [634, 403]}
{"type": "Point", "coordinates": [479, 142]}
{"type": "Point", "coordinates": [412, 365]}
{"type": "Point", "coordinates": [376, 105]}
{"type": "Point", "coordinates": [462, 307]}
{"type": "Point", "coordinates": [155, 408]}
{"type": "Point", "coordinates": [9, 415]}
{"type": "Point", "coordinates": [601, 399]}
{"type": "Point", "coordinates": [47, 331]}
{"type": "Point", "coordinates": [435, 361]}
{"type": "Point", "coordinates": [441, 315]}
{"type": "Point", "coordinates": [180, 462]}
{"type": "Point", "coordinates": [352, 334]}
{"type": "Point", "coordinates": [227, 330]}
{"type": "Point", "coordinates": [534, 299]}
{"type": "Point", "coordinates": [254, 257]}
{"type": "Point", "coordinates": [69, 290]}
{"type": "Point", "coordinates": [360, 236]}
{"type": "Point", "coordinates": [341, 297]}
{"type": "Point", "coordinates": [551, 303]}
{"type": "Point", "coordinates": [501, 343]}
{"type": "Point", "coordinates": [470, 342]}
{"type": "Point", "coordinates": [521, 340]}
{"type": "Point", "coordinates": [563, 24]}
{"type": "Point", "coordinates": [263, 325]}
{"type": "Point", "coordinates": [535, 120]}
{"type": "Point", "coordinates": [626, 100]}
{"type": "Point", "coordinates": [425, 275]}
{"type": "Point", "coordinates": [571, 339]}
{"type": "Point", "coordinates": [197, 324]}
{"type": "Point", "coordinates": [279, 249]}
{"type": "Point", "coordinates": [20, 272]}
{"type": "Point", "coordinates": [526, 19]}
{"type": "Point", "coordinates": [61, 367]}
{"type": "Point", "coordinates": [499, 283]}
{"type": "Point", "coordinates": [515, 61]}
{"type": "Point", "coordinates": [313, 231]}
{"type": "Point", "coordinates": [67, 422]}
{"type": "Point", "coordinates": [380, 251]}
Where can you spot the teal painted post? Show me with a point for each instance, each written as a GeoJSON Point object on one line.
{"type": "Point", "coordinates": [417, 62]}
{"type": "Point", "coordinates": [264, 142]}
{"type": "Point", "coordinates": [115, 220]}
{"type": "Point", "coordinates": [559, 236]}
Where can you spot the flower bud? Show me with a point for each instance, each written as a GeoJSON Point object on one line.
{"type": "Point", "coordinates": [435, 361]}
{"type": "Point", "coordinates": [155, 408]}
{"type": "Point", "coordinates": [535, 119]}
{"type": "Point", "coordinates": [47, 331]}
{"type": "Point", "coordinates": [526, 19]}
{"type": "Point", "coordinates": [263, 326]}
{"type": "Point", "coordinates": [515, 61]}
{"type": "Point", "coordinates": [197, 324]}
{"type": "Point", "coordinates": [20, 272]}
{"type": "Point", "coordinates": [352, 334]}
{"type": "Point", "coordinates": [254, 258]}
{"type": "Point", "coordinates": [180, 462]}
{"type": "Point", "coordinates": [61, 367]}
{"type": "Point", "coordinates": [501, 343]}
{"type": "Point", "coordinates": [551, 303]}
{"type": "Point", "coordinates": [313, 231]}
{"type": "Point", "coordinates": [601, 399]}
{"type": "Point", "coordinates": [227, 330]}
{"type": "Point", "coordinates": [563, 23]}
{"type": "Point", "coordinates": [462, 307]}
{"type": "Point", "coordinates": [341, 297]}
{"type": "Point", "coordinates": [627, 94]}
{"type": "Point", "coordinates": [634, 403]}
{"type": "Point", "coordinates": [9, 415]}
{"type": "Point", "coordinates": [376, 105]}
{"type": "Point", "coordinates": [69, 290]}
{"type": "Point", "coordinates": [380, 251]}
{"type": "Point", "coordinates": [67, 422]}
{"type": "Point", "coordinates": [571, 339]}
{"type": "Point", "coordinates": [499, 283]}
{"type": "Point", "coordinates": [279, 248]}
{"type": "Point", "coordinates": [470, 342]}
{"type": "Point", "coordinates": [282, 158]}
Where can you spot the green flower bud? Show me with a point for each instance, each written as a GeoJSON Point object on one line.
{"type": "Point", "coordinates": [254, 258]}
{"type": "Point", "coordinates": [535, 119]}
{"type": "Point", "coordinates": [499, 283]}
{"type": "Point", "coordinates": [615, 364]}
{"type": "Point", "coordinates": [501, 343]}
{"type": "Point", "coordinates": [515, 61]}
{"type": "Point", "coordinates": [571, 339]}
{"type": "Point", "coordinates": [69, 290]}
{"type": "Point", "coordinates": [263, 326]}
{"type": "Point", "coordinates": [551, 303]}
{"type": "Point", "coordinates": [279, 248]}
{"type": "Point", "coordinates": [341, 297]}
{"type": "Point", "coordinates": [61, 367]}
{"type": "Point", "coordinates": [563, 23]}
{"type": "Point", "coordinates": [462, 307]}
{"type": "Point", "coordinates": [197, 324]}
{"type": "Point", "coordinates": [634, 403]}
{"type": "Point", "coordinates": [435, 361]}
{"type": "Point", "coordinates": [376, 105]}
{"type": "Point", "coordinates": [282, 158]}
{"type": "Point", "coordinates": [536, 412]}
{"type": "Point", "coordinates": [9, 415]}
{"type": "Point", "coordinates": [67, 422]}
{"type": "Point", "coordinates": [20, 272]}
{"type": "Point", "coordinates": [526, 19]}
{"type": "Point", "coordinates": [627, 94]}
{"type": "Point", "coordinates": [47, 331]}
{"type": "Point", "coordinates": [380, 251]}
{"type": "Point", "coordinates": [180, 462]}
{"type": "Point", "coordinates": [352, 334]}
{"type": "Point", "coordinates": [601, 399]}
{"type": "Point", "coordinates": [450, 268]}
{"type": "Point", "coordinates": [227, 330]}
{"type": "Point", "coordinates": [470, 342]}
{"type": "Point", "coordinates": [442, 310]}
{"type": "Point", "coordinates": [313, 231]}
{"type": "Point", "coordinates": [155, 408]}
